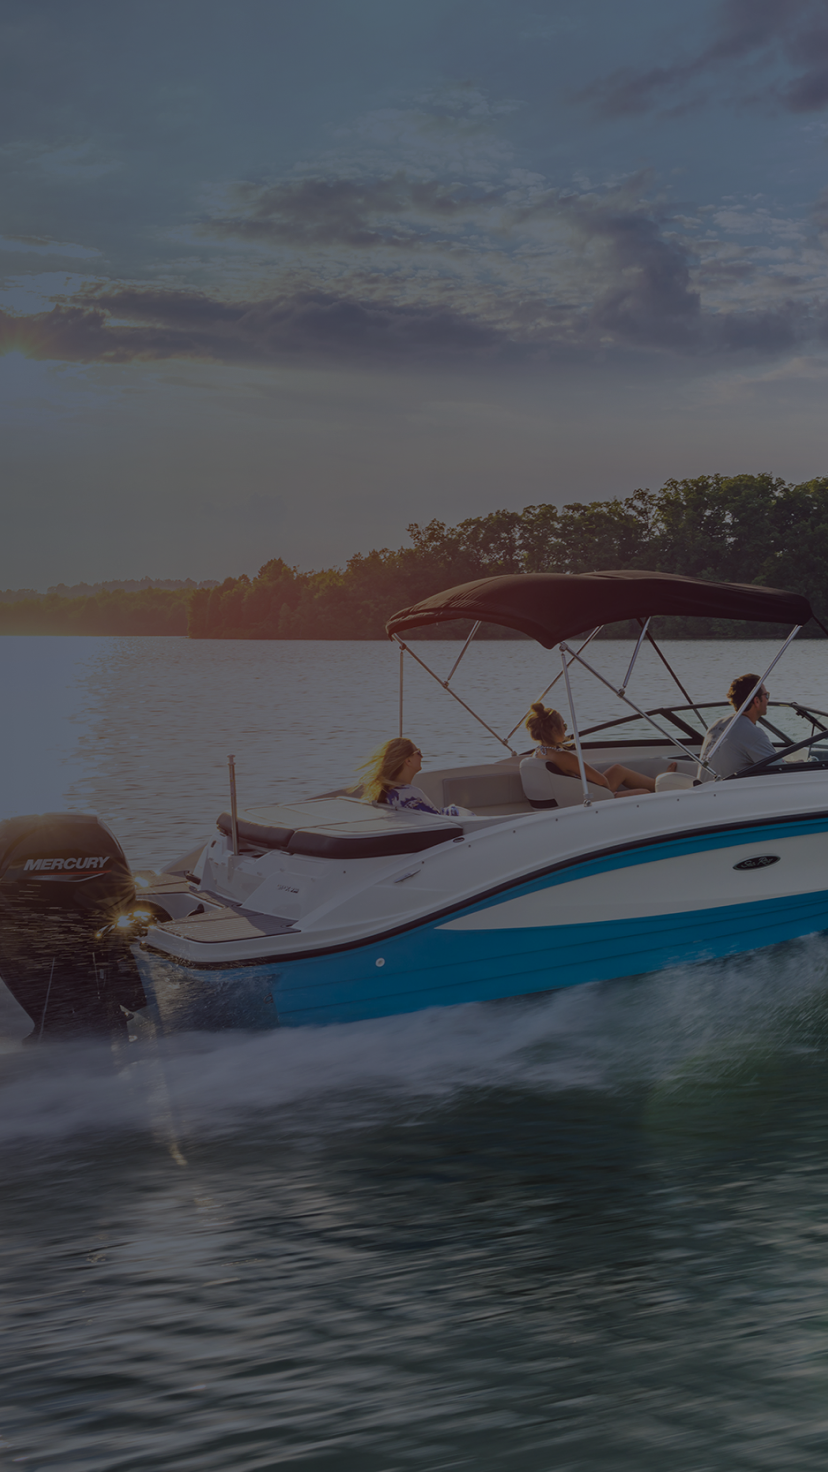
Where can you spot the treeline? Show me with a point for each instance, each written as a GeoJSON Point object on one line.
{"type": "Point", "coordinates": [155, 611]}
{"type": "Point", "coordinates": [129, 585]}
{"type": "Point", "coordinates": [746, 528]}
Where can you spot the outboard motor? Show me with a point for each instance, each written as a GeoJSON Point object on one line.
{"type": "Point", "coordinates": [64, 886]}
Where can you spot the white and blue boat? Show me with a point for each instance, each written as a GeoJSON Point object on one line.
{"type": "Point", "coordinates": [336, 909]}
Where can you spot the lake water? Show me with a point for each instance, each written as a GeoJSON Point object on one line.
{"type": "Point", "coordinates": [585, 1232]}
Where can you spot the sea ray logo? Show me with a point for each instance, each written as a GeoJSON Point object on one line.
{"type": "Point", "coordinates": [50, 866]}
{"type": "Point", "coordinates": [759, 861]}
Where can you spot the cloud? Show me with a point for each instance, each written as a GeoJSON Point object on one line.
{"type": "Point", "coordinates": [392, 268]}
{"type": "Point", "coordinates": [138, 324]}
{"type": "Point", "coordinates": [642, 286]}
{"type": "Point", "coordinates": [144, 324]}
{"type": "Point", "coordinates": [751, 37]}
{"type": "Point", "coordinates": [821, 215]}
{"type": "Point", "coordinates": [28, 294]}
{"type": "Point", "coordinates": [396, 211]}
{"type": "Point", "coordinates": [533, 266]}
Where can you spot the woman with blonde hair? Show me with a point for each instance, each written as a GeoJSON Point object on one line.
{"type": "Point", "coordinates": [388, 778]}
{"type": "Point", "coordinates": [548, 728]}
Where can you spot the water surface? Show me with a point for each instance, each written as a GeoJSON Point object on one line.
{"type": "Point", "coordinates": [589, 1231]}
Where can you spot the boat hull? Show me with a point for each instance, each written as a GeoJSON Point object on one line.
{"type": "Point", "coordinates": [638, 910]}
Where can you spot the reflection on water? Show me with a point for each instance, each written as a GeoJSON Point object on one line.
{"type": "Point", "coordinates": [589, 1231]}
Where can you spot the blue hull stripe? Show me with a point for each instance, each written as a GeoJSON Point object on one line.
{"type": "Point", "coordinates": [430, 969]}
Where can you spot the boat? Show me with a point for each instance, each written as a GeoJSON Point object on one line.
{"type": "Point", "coordinates": [335, 909]}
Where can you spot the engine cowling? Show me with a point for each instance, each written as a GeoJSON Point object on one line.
{"type": "Point", "coordinates": [64, 885]}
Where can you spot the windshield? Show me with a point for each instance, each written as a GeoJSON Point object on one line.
{"type": "Point", "coordinates": [785, 722]}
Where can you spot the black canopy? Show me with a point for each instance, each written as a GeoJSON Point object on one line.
{"type": "Point", "coordinates": [551, 606]}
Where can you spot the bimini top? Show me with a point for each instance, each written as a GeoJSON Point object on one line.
{"type": "Point", "coordinates": [551, 606]}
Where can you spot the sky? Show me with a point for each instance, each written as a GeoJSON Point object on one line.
{"type": "Point", "coordinates": [278, 280]}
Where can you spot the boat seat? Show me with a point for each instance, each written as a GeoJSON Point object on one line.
{"type": "Point", "coordinates": [484, 791]}
{"type": "Point", "coordinates": [545, 788]}
{"type": "Point", "coordinates": [673, 782]}
{"type": "Point", "coordinates": [489, 789]}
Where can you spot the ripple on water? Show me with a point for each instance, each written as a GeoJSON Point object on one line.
{"type": "Point", "coordinates": [585, 1231]}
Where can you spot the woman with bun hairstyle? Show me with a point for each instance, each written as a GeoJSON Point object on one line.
{"type": "Point", "coordinates": [548, 728]}
{"type": "Point", "coordinates": [388, 777]}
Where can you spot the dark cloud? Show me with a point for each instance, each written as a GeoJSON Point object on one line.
{"type": "Point", "coordinates": [750, 35]}
{"type": "Point", "coordinates": [651, 309]}
{"type": "Point", "coordinates": [645, 295]}
{"type": "Point", "coordinates": [363, 213]}
{"type": "Point", "coordinates": [182, 324]}
{"type": "Point", "coordinates": [770, 332]}
{"type": "Point", "coordinates": [820, 212]}
{"type": "Point", "coordinates": [649, 299]}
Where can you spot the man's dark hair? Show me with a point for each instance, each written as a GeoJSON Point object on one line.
{"type": "Point", "coordinates": [741, 688]}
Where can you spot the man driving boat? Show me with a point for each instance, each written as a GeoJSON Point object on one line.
{"type": "Point", "coordinates": [745, 742]}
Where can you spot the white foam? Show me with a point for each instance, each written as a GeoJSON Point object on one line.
{"type": "Point", "coordinates": [611, 1036]}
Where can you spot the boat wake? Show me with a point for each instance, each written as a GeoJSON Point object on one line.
{"type": "Point", "coordinates": [653, 1034]}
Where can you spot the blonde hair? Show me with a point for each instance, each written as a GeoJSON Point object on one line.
{"type": "Point", "coordinates": [544, 725]}
{"type": "Point", "coordinates": [383, 768]}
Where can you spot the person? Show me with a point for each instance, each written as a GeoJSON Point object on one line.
{"type": "Point", "coordinates": [745, 742]}
{"type": "Point", "coordinates": [548, 728]}
{"type": "Point", "coordinates": [389, 775]}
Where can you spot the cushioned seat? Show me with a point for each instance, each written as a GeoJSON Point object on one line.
{"type": "Point", "coordinates": [546, 788]}
{"type": "Point", "coordinates": [673, 781]}
{"type": "Point", "coordinates": [487, 788]}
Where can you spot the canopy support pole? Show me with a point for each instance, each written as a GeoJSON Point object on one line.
{"type": "Point", "coordinates": [545, 692]}
{"type": "Point", "coordinates": [402, 659]}
{"type": "Point", "coordinates": [745, 703]}
{"type": "Point", "coordinates": [626, 680]}
{"type": "Point", "coordinates": [234, 824]}
{"type": "Point", "coordinates": [581, 767]}
{"type": "Point", "coordinates": [673, 740]}
{"type": "Point", "coordinates": [475, 627]}
{"type": "Point", "coordinates": [671, 671]}
{"type": "Point", "coordinates": [453, 695]}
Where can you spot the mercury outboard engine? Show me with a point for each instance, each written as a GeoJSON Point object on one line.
{"type": "Point", "coordinates": [64, 884]}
